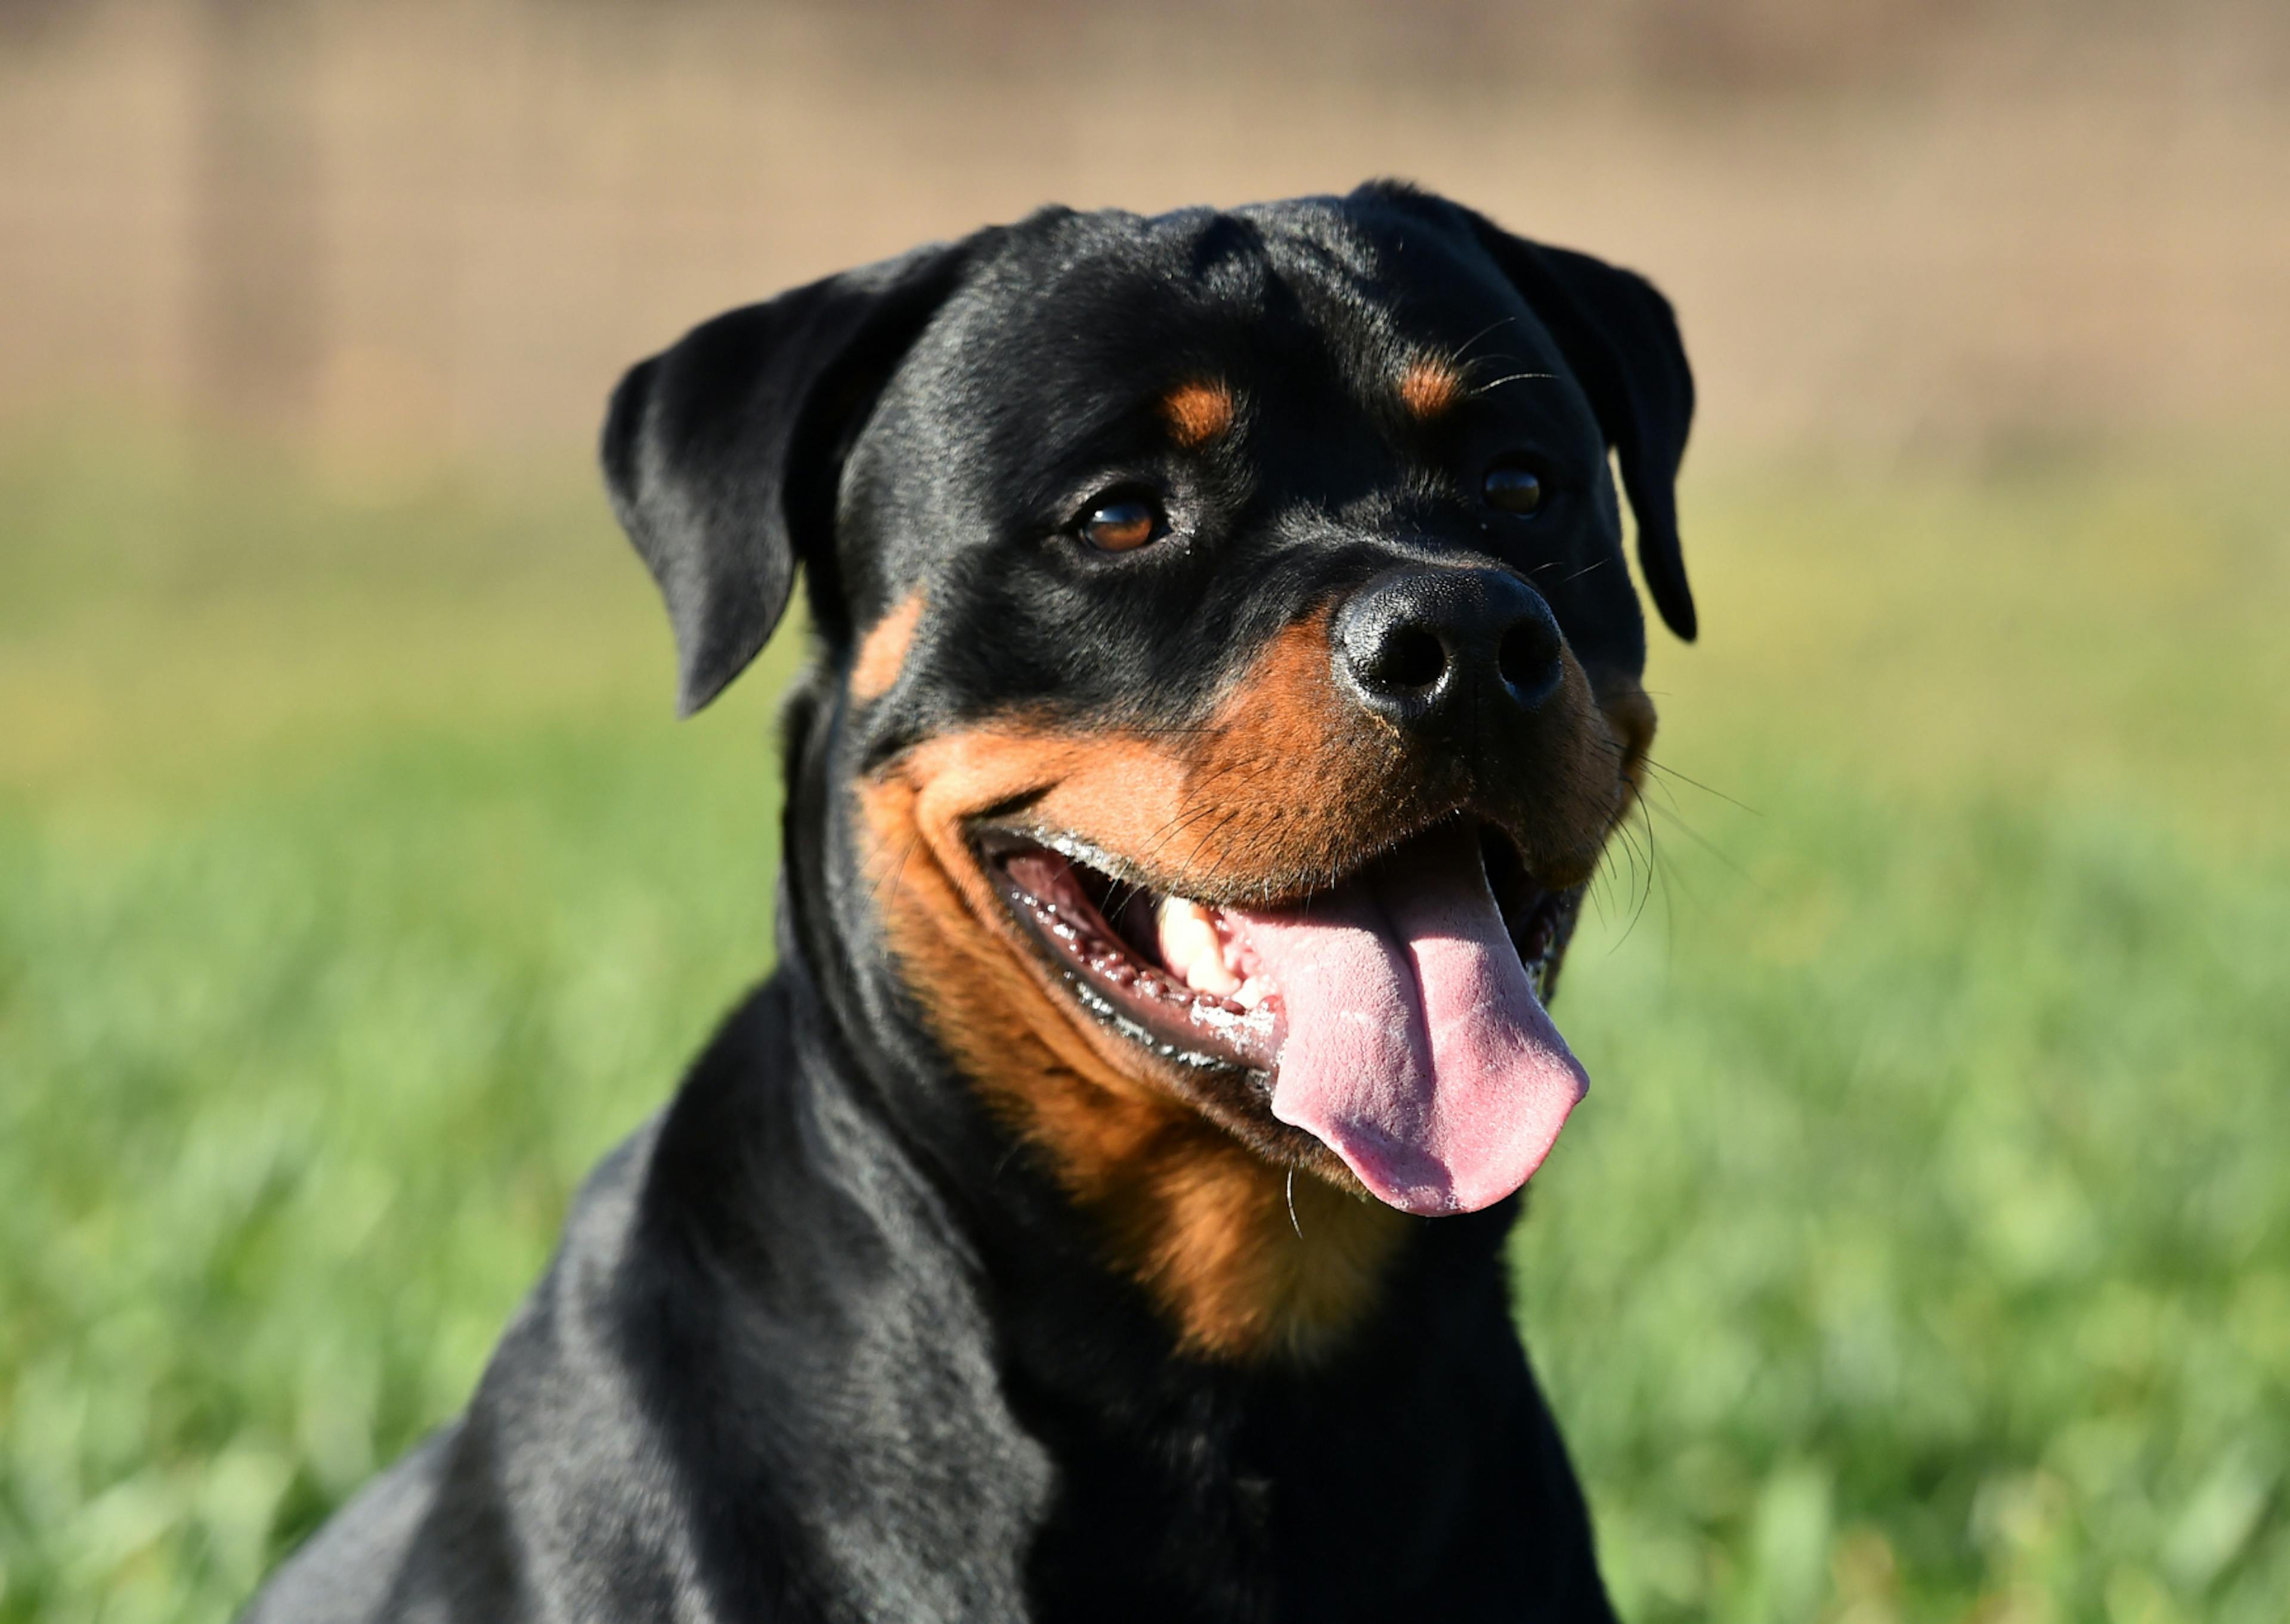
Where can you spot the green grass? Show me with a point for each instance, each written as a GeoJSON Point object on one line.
{"type": "Point", "coordinates": [1923, 1250]}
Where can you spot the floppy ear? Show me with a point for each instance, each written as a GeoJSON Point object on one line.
{"type": "Point", "coordinates": [721, 454]}
{"type": "Point", "coordinates": [1619, 337]}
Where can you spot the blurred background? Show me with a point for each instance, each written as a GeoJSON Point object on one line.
{"type": "Point", "coordinates": [1924, 1248]}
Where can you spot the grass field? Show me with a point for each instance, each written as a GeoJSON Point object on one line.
{"type": "Point", "coordinates": [1923, 1250]}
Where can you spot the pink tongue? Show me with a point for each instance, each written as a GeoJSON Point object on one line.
{"type": "Point", "coordinates": [1416, 1049]}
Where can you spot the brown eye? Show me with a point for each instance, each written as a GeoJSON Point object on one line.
{"type": "Point", "coordinates": [1119, 526]}
{"type": "Point", "coordinates": [1513, 490]}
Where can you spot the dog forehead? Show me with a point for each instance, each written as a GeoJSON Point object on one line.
{"type": "Point", "coordinates": [1076, 301]}
{"type": "Point", "coordinates": [1085, 343]}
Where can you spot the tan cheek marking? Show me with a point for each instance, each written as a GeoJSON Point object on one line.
{"type": "Point", "coordinates": [1198, 413]}
{"type": "Point", "coordinates": [882, 652]}
{"type": "Point", "coordinates": [1427, 388]}
{"type": "Point", "coordinates": [1580, 788]}
{"type": "Point", "coordinates": [1630, 717]}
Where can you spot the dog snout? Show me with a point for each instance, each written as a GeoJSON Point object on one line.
{"type": "Point", "coordinates": [1442, 653]}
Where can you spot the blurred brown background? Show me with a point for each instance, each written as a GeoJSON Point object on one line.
{"type": "Point", "coordinates": [438, 227]}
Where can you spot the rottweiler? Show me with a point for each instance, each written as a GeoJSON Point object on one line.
{"type": "Point", "coordinates": [1224, 678]}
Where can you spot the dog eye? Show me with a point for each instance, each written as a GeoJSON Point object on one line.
{"type": "Point", "coordinates": [1124, 524]}
{"type": "Point", "coordinates": [1512, 489]}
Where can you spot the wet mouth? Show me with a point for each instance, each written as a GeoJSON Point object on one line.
{"type": "Point", "coordinates": [1181, 977]}
{"type": "Point", "coordinates": [1154, 966]}
{"type": "Point", "coordinates": [1395, 1016]}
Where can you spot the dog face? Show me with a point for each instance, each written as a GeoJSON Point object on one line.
{"type": "Point", "coordinates": [1232, 677]}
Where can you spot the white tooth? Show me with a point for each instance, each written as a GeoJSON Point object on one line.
{"type": "Point", "coordinates": [1210, 975]}
{"type": "Point", "coordinates": [1191, 946]}
{"type": "Point", "coordinates": [1252, 992]}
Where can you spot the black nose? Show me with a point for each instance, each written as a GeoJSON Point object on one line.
{"type": "Point", "coordinates": [1425, 647]}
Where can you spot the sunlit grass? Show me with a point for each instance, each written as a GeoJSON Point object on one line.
{"type": "Point", "coordinates": [1924, 1246]}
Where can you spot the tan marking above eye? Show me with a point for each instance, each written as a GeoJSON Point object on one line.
{"type": "Point", "coordinates": [1428, 388]}
{"type": "Point", "coordinates": [882, 652]}
{"type": "Point", "coordinates": [1198, 412]}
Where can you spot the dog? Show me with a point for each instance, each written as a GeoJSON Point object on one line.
{"type": "Point", "coordinates": [1225, 676]}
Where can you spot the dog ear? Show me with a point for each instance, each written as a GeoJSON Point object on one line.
{"type": "Point", "coordinates": [722, 454]}
{"type": "Point", "coordinates": [1621, 339]}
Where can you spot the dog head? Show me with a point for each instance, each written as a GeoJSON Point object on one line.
{"type": "Point", "coordinates": [1228, 671]}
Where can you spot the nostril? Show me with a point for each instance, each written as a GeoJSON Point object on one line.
{"type": "Point", "coordinates": [1426, 646]}
{"type": "Point", "coordinates": [1411, 658]}
{"type": "Point", "coordinates": [1528, 654]}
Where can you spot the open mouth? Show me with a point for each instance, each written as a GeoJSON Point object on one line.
{"type": "Point", "coordinates": [1396, 1015]}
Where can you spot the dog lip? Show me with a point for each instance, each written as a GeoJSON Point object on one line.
{"type": "Point", "coordinates": [1510, 872]}
{"type": "Point", "coordinates": [1107, 974]}
{"type": "Point", "coordinates": [993, 838]}
{"type": "Point", "coordinates": [1538, 917]}
{"type": "Point", "coordinates": [997, 842]}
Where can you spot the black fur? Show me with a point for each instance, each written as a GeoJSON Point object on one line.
{"type": "Point", "coordinates": [820, 1342]}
